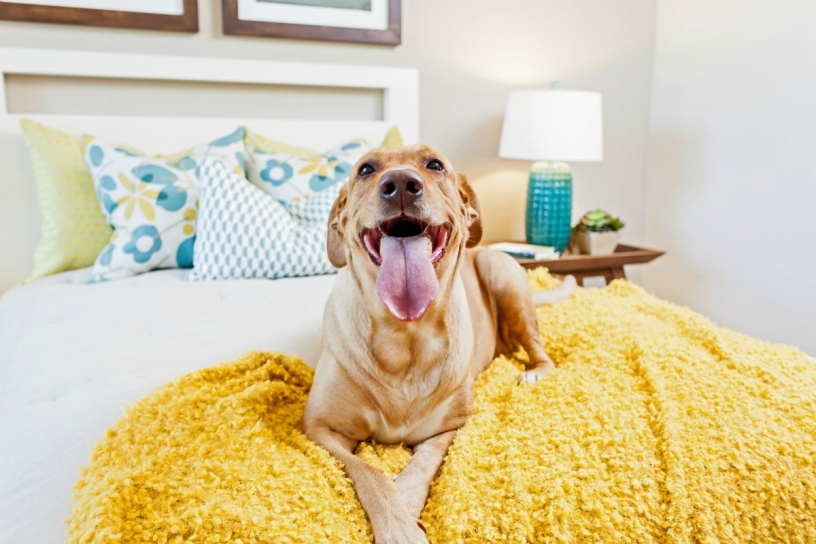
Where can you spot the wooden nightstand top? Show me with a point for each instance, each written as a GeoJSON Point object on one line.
{"type": "Point", "coordinates": [585, 266]}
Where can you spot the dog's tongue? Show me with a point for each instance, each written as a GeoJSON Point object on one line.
{"type": "Point", "coordinates": [407, 282]}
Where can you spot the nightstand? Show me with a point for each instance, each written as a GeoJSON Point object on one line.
{"type": "Point", "coordinates": [582, 266]}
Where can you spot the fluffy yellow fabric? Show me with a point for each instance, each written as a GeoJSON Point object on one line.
{"type": "Point", "coordinates": [656, 426]}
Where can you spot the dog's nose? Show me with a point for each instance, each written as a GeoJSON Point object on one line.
{"type": "Point", "coordinates": [401, 185]}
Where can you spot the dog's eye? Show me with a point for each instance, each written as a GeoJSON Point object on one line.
{"type": "Point", "coordinates": [435, 165]}
{"type": "Point", "coordinates": [365, 170]}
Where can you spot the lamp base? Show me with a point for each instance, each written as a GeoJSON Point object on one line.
{"type": "Point", "coordinates": [549, 205]}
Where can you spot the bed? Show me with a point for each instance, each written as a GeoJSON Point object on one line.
{"type": "Point", "coordinates": [72, 354]}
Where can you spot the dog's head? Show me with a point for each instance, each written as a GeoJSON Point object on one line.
{"type": "Point", "coordinates": [404, 219]}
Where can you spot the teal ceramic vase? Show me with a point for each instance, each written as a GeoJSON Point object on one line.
{"type": "Point", "coordinates": [549, 205]}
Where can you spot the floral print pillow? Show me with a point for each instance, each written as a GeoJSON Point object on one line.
{"type": "Point", "coordinates": [152, 203]}
{"type": "Point", "coordinates": [290, 177]}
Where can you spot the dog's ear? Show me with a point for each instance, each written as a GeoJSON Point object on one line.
{"type": "Point", "coordinates": [334, 242]}
{"type": "Point", "coordinates": [472, 211]}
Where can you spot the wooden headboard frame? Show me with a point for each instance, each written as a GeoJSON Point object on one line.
{"type": "Point", "coordinates": [19, 213]}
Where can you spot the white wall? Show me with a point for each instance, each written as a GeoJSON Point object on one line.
{"type": "Point", "coordinates": [731, 184]}
{"type": "Point", "coordinates": [470, 53]}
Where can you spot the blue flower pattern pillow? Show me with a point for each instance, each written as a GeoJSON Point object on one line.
{"type": "Point", "coordinates": [290, 178]}
{"type": "Point", "coordinates": [152, 203]}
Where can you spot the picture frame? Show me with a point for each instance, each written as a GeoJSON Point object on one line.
{"type": "Point", "coordinates": [167, 15]}
{"type": "Point", "coordinates": [362, 21]}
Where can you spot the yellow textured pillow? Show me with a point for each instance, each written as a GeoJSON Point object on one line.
{"type": "Point", "coordinates": [74, 230]}
{"type": "Point", "coordinates": [256, 141]}
{"type": "Point", "coordinates": [393, 138]}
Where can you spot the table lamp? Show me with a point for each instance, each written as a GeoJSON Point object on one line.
{"type": "Point", "coordinates": [552, 127]}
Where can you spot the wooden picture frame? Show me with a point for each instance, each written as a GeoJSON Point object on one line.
{"type": "Point", "coordinates": [239, 27]}
{"type": "Point", "coordinates": [186, 22]}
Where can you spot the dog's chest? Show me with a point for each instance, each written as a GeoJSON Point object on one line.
{"type": "Point", "coordinates": [418, 423]}
{"type": "Point", "coordinates": [418, 373]}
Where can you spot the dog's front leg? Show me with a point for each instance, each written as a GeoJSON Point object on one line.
{"type": "Point", "coordinates": [414, 482]}
{"type": "Point", "coordinates": [390, 519]}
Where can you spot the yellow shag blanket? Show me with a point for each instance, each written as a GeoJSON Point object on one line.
{"type": "Point", "coordinates": [656, 426]}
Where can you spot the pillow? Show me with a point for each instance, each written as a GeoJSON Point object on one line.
{"type": "Point", "coordinates": [393, 138]}
{"type": "Point", "coordinates": [290, 173]}
{"type": "Point", "coordinates": [74, 229]}
{"type": "Point", "coordinates": [152, 203]}
{"type": "Point", "coordinates": [243, 232]}
{"type": "Point", "coordinates": [291, 177]}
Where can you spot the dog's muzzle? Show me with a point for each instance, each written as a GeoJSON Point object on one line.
{"type": "Point", "coordinates": [401, 187]}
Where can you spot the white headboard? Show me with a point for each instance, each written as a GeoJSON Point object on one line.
{"type": "Point", "coordinates": [19, 213]}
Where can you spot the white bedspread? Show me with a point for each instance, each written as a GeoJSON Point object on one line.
{"type": "Point", "coordinates": [73, 355]}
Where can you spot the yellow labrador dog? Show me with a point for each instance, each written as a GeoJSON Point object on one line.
{"type": "Point", "coordinates": [413, 318]}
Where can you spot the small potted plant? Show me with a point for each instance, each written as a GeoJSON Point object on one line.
{"type": "Point", "coordinates": [597, 233]}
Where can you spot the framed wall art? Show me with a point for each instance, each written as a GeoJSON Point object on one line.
{"type": "Point", "coordinates": [172, 15]}
{"type": "Point", "coordinates": [365, 21]}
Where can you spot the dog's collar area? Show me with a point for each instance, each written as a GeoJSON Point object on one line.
{"type": "Point", "coordinates": [404, 226]}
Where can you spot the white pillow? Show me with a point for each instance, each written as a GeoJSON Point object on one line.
{"type": "Point", "coordinates": [151, 203]}
{"type": "Point", "coordinates": [245, 233]}
{"type": "Point", "coordinates": [290, 175]}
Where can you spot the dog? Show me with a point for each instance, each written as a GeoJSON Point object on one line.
{"type": "Point", "coordinates": [416, 313]}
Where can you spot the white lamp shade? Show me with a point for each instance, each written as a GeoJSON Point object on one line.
{"type": "Point", "coordinates": [553, 125]}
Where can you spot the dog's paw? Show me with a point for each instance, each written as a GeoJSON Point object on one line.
{"type": "Point", "coordinates": [534, 375]}
{"type": "Point", "coordinates": [408, 533]}
{"type": "Point", "coordinates": [396, 525]}
{"type": "Point", "coordinates": [529, 377]}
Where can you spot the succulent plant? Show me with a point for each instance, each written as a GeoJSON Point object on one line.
{"type": "Point", "coordinates": [599, 221]}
